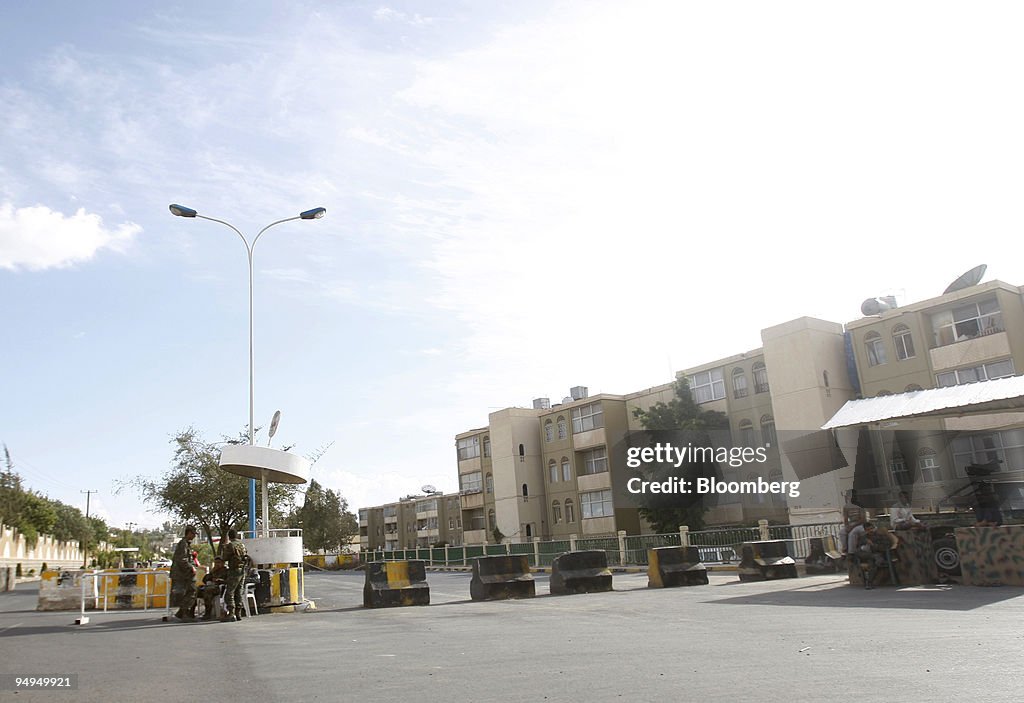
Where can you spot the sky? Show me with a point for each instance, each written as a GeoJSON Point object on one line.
{"type": "Point", "coordinates": [521, 197]}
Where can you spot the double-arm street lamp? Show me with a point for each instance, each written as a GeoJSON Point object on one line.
{"type": "Point", "coordinates": [314, 214]}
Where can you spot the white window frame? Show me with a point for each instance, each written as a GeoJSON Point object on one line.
{"type": "Point", "coordinates": [587, 417]}
{"type": "Point", "coordinates": [707, 386]}
{"type": "Point", "coordinates": [595, 461]}
{"type": "Point", "coordinates": [469, 448]}
{"type": "Point", "coordinates": [874, 347]}
{"type": "Point", "coordinates": [760, 373]}
{"type": "Point", "coordinates": [471, 482]}
{"type": "Point", "coordinates": [594, 504]}
{"type": "Point", "coordinates": [903, 341]}
{"type": "Point", "coordinates": [975, 374]}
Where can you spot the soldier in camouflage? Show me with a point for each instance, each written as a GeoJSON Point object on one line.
{"type": "Point", "coordinates": [237, 560]}
{"type": "Point", "coordinates": [183, 577]}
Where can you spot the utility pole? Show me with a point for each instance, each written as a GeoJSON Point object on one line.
{"type": "Point", "coordinates": [85, 542]}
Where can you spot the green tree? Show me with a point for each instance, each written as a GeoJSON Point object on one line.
{"type": "Point", "coordinates": [195, 490]}
{"type": "Point", "coordinates": [325, 519]}
{"type": "Point", "coordinates": [689, 424]}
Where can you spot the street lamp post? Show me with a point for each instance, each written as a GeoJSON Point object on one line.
{"type": "Point", "coordinates": [314, 214]}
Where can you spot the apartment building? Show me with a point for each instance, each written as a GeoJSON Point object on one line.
{"type": "Point", "coordinates": [549, 471]}
{"type": "Point", "coordinates": [413, 521]}
{"type": "Point", "coordinates": [967, 335]}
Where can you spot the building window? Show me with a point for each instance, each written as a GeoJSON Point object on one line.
{"type": "Point", "coordinates": [556, 513]}
{"type": "Point", "coordinates": [973, 374]}
{"type": "Point", "coordinates": [566, 470]}
{"type": "Point", "coordinates": [739, 383]}
{"type": "Point", "coordinates": [469, 448]}
{"type": "Point", "coordinates": [875, 348]}
{"type": "Point", "coordinates": [586, 418]}
{"type": "Point", "coordinates": [451, 523]}
{"type": "Point", "coordinates": [903, 342]}
{"type": "Point", "coordinates": [471, 483]}
{"type": "Point", "coordinates": [898, 468]}
{"type": "Point", "coordinates": [707, 386]}
{"type": "Point", "coordinates": [768, 431]}
{"type": "Point", "coordinates": [549, 431]}
{"type": "Point", "coordinates": [967, 322]}
{"type": "Point", "coordinates": [595, 461]}
{"type": "Point", "coordinates": [492, 522]}
{"type": "Point", "coordinates": [1006, 447]}
{"type": "Point", "coordinates": [928, 466]}
{"type": "Point", "coordinates": [570, 515]}
{"type": "Point", "coordinates": [526, 492]}
{"type": "Point", "coordinates": [487, 446]}
{"type": "Point", "coordinates": [489, 483]}
{"type": "Point", "coordinates": [425, 506]}
{"type": "Point", "coordinates": [760, 378]}
{"type": "Point", "coordinates": [746, 433]}
{"type": "Point", "coordinates": [563, 429]}
{"type": "Point", "coordinates": [390, 510]}
{"type": "Point", "coordinates": [553, 471]}
{"type": "Point", "coordinates": [596, 504]}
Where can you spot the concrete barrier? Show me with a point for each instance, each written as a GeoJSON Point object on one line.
{"type": "Point", "coordinates": [280, 587]}
{"type": "Point", "coordinates": [105, 590]}
{"type": "Point", "coordinates": [668, 567]}
{"type": "Point", "coordinates": [824, 556]}
{"type": "Point", "coordinates": [396, 583]}
{"type": "Point", "coordinates": [580, 572]}
{"type": "Point", "coordinates": [501, 577]}
{"type": "Point", "coordinates": [767, 560]}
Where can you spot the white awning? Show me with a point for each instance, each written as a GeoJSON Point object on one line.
{"type": "Point", "coordinates": [1000, 395]}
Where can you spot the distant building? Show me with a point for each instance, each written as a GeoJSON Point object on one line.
{"type": "Point", "coordinates": [414, 521]}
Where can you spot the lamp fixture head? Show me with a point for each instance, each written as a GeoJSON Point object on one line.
{"type": "Point", "coordinates": [182, 211]}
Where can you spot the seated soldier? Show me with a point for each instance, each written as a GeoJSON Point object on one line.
{"type": "Point", "coordinates": [212, 583]}
{"type": "Point", "coordinates": [871, 548]}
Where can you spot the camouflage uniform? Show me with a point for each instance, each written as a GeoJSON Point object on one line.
{"type": "Point", "coordinates": [237, 559]}
{"type": "Point", "coordinates": [183, 579]}
{"type": "Point", "coordinates": [210, 590]}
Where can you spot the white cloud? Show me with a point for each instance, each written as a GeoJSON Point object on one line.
{"type": "Point", "coordinates": [38, 238]}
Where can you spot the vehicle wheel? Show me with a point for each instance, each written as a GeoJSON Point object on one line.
{"type": "Point", "coordinates": [947, 558]}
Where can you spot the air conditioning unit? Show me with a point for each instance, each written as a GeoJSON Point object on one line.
{"type": "Point", "coordinates": [578, 392]}
{"type": "Point", "coordinates": [541, 403]}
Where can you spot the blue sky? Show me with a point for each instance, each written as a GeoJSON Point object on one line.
{"type": "Point", "coordinates": [522, 197]}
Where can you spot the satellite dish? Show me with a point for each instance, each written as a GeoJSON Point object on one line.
{"type": "Point", "coordinates": [428, 489]}
{"type": "Point", "coordinates": [971, 278]}
{"type": "Point", "coordinates": [274, 422]}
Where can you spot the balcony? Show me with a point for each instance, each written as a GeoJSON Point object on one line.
{"type": "Point", "coordinates": [985, 347]}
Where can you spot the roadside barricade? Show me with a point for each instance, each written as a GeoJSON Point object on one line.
{"type": "Point", "coordinates": [824, 556]}
{"type": "Point", "coordinates": [501, 577]}
{"type": "Point", "coordinates": [279, 587]}
{"type": "Point", "coordinates": [764, 561]}
{"type": "Point", "coordinates": [668, 567]}
{"type": "Point", "coordinates": [396, 583]}
{"type": "Point", "coordinates": [580, 572]}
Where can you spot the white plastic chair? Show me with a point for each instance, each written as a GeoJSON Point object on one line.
{"type": "Point", "coordinates": [250, 594]}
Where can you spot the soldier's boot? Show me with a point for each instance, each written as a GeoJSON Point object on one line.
{"type": "Point", "coordinates": [227, 616]}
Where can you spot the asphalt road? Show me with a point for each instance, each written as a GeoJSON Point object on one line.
{"type": "Point", "coordinates": [808, 639]}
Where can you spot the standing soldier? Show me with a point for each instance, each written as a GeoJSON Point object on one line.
{"type": "Point", "coordinates": [183, 577]}
{"type": "Point", "coordinates": [237, 560]}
